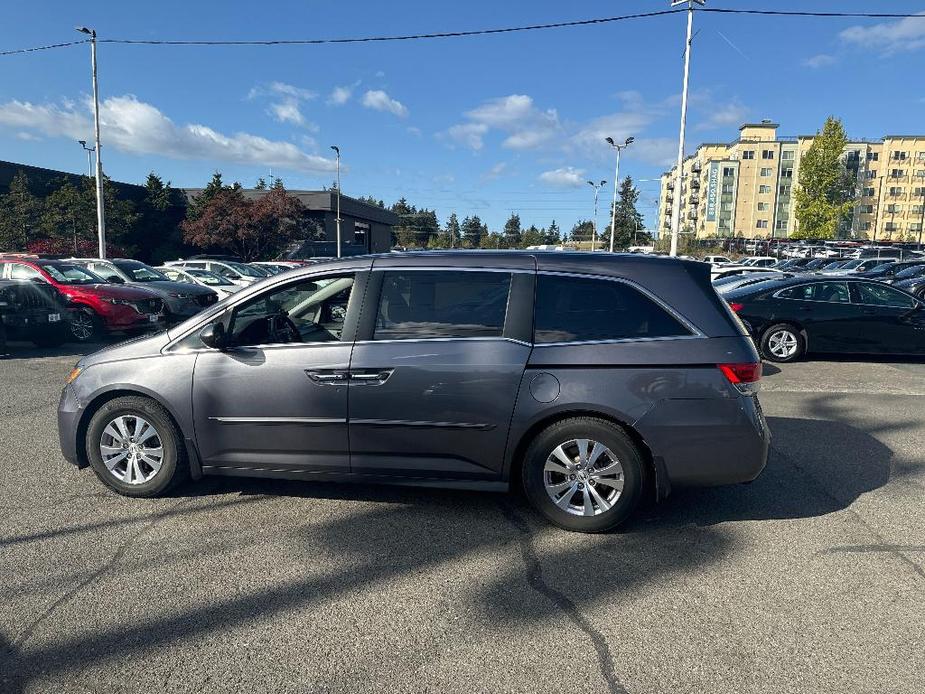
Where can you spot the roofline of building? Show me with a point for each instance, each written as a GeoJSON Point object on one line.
{"type": "Point", "coordinates": [767, 124]}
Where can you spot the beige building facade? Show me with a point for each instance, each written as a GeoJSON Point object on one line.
{"type": "Point", "coordinates": [747, 187]}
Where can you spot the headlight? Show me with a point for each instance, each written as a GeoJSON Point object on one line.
{"type": "Point", "coordinates": [75, 372]}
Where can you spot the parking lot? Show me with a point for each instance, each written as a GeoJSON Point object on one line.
{"type": "Point", "coordinates": [812, 578]}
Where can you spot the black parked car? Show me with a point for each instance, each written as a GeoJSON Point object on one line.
{"type": "Point", "coordinates": [791, 317]}
{"type": "Point", "coordinates": [914, 284]}
{"type": "Point", "coordinates": [589, 379]}
{"type": "Point", "coordinates": [888, 271]}
{"type": "Point", "coordinates": [32, 311]}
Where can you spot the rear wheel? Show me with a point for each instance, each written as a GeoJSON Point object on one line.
{"type": "Point", "coordinates": [135, 448]}
{"type": "Point", "coordinates": [583, 474]}
{"type": "Point", "coordinates": [85, 325]}
{"type": "Point", "coordinates": [782, 343]}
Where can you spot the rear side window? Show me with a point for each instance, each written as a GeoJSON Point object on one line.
{"type": "Point", "coordinates": [881, 295]}
{"type": "Point", "coordinates": [578, 309]}
{"type": "Point", "coordinates": [432, 304]}
{"type": "Point", "coordinates": [820, 291]}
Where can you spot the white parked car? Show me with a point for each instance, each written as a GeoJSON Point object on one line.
{"type": "Point", "coordinates": [760, 261]}
{"type": "Point", "coordinates": [729, 269]}
{"type": "Point", "coordinates": [236, 273]}
{"type": "Point", "coordinates": [716, 259]}
{"type": "Point", "coordinates": [190, 275]}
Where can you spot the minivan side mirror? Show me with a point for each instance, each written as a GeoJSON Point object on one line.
{"type": "Point", "coordinates": [213, 335]}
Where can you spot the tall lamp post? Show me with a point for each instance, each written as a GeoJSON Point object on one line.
{"type": "Point", "coordinates": [89, 151]}
{"type": "Point", "coordinates": [616, 178]}
{"type": "Point", "coordinates": [597, 189]}
{"type": "Point", "coordinates": [337, 151]}
{"type": "Point", "coordinates": [676, 205]}
{"type": "Point", "coordinates": [100, 212]}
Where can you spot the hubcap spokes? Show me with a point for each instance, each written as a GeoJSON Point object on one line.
{"type": "Point", "coordinates": [81, 326]}
{"type": "Point", "coordinates": [583, 477]}
{"type": "Point", "coordinates": [131, 449]}
{"type": "Point", "coordinates": [782, 343]}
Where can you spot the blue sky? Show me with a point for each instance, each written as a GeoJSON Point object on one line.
{"type": "Point", "coordinates": [485, 125]}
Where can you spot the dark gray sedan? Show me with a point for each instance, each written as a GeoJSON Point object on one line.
{"type": "Point", "coordinates": [592, 380]}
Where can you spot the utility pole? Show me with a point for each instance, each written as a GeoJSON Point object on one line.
{"type": "Point", "coordinates": [337, 151]}
{"type": "Point", "coordinates": [676, 204]}
{"type": "Point", "coordinates": [89, 151]}
{"type": "Point", "coordinates": [100, 211]}
{"type": "Point", "coordinates": [597, 189]}
{"type": "Point", "coordinates": [616, 178]}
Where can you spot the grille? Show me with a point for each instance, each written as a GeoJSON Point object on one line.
{"type": "Point", "coordinates": [207, 299]}
{"type": "Point", "coordinates": [148, 305]}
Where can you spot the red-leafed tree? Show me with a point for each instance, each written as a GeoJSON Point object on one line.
{"type": "Point", "coordinates": [250, 228]}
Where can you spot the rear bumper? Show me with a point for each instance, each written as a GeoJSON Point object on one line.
{"type": "Point", "coordinates": [69, 412]}
{"type": "Point", "coordinates": [708, 442]}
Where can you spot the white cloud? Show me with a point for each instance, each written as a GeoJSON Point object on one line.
{"type": "Point", "coordinates": [567, 177]}
{"type": "Point", "coordinates": [527, 127]}
{"type": "Point", "coordinates": [136, 127]}
{"type": "Point", "coordinates": [725, 115]}
{"type": "Point", "coordinates": [340, 95]}
{"type": "Point", "coordinates": [820, 60]}
{"type": "Point", "coordinates": [287, 111]}
{"type": "Point", "coordinates": [414, 130]}
{"type": "Point", "coordinates": [495, 171]}
{"type": "Point", "coordinates": [619, 126]}
{"type": "Point", "coordinates": [657, 151]}
{"type": "Point", "coordinates": [295, 92]}
{"type": "Point", "coordinates": [28, 137]}
{"type": "Point", "coordinates": [468, 134]}
{"type": "Point", "coordinates": [889, 37]}
{"type": "Point", "coordinates": [378, 100]}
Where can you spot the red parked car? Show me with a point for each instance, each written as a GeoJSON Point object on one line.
{"type": "Point", "coordinates": [98, 306]}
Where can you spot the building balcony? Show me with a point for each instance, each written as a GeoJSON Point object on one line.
{"type": "Point", "coordinates": [693, 199]}
{"type": "Point", "coordinates": [695, 184]}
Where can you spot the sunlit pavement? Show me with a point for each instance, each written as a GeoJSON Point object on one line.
{"type": "Point", "coordinates": [810, 579]}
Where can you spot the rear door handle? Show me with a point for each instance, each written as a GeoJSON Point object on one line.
{"type": "Point", "coordinates": [327, 376]}
{"type": "Point", "coordinates": [371, 376]}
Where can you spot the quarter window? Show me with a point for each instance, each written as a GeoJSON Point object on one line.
{"type": "Point", "coordinates": [439, 304]}
{"type": "Point", "coordinates": [22, 272]}
{"type": "Point", "coordinates": [578, 309]}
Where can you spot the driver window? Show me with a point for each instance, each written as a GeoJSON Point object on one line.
{"type": "Point", "coordinates": [308, 311]}
{"type": "Point", "coordinates": [104, 271]}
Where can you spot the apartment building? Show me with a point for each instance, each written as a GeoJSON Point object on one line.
{"type": "Point", "coordinates": [746, 187]}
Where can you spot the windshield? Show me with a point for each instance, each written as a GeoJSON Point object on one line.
{"type": "Point", "coordinates": [851, 264]}
{"type": "Point", "coordinates": [72, 274]}
{"type": "Point", "coordinates": [910, 272]}
{"type": "Point", "coordinates": [139, 272]}
{"type": "Point", "coordinates": [245, 270]}
{"type": "Point", "coordinates": [209, 278]}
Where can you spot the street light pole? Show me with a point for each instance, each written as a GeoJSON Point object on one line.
{"type": "Point", "coordinates": [337, 151]}
{"type": "Point", "coordinates": [616, 178]}
{"type": "Point", "coordinates": [597, 189]}
{"type": "Point", "coordinates": [89, 150]}
{"type": "Point", "coordinates": [676, 203]}
{"type": "Point", "coordinates": [100, 211]}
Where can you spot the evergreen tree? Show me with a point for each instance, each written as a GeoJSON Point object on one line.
{"type": "Point", "coordinates": [201, 201]}
{"type": "Point", "coordinates": [532, 237]}
{"type": "Point", "coordinates": [512, 231]}
{"type": "Point", "coordinates": [68, 218]}
{"type": "Point", "coordinates": [472, 231]}
{"type": "Point", "coordinates": [20, 211]}
{"type": "Point", "coordinates": [582, 231]}
{"type": "Point", "coordinates": [452, 231]}
{"type": "Point", "coordinates": [553, 235]}
{"type": "Point", "coordinates": [827, 190]}
{"type": "Point", "coordinates": [261, 184]}
{"type": "Point", "coordinates": [628, 218]}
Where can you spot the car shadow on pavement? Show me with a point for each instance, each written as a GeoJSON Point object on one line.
{"type": "Point", "coordinates": [816, 467]}
{"type": "Point", "coordinates": [26, 350]}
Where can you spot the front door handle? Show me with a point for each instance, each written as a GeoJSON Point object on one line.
{"type": "Point", "coordinates": [371, 376]}
{"type": "Point", "coordinates": [327, 376]}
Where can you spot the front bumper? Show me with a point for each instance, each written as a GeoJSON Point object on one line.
{"type": "Point", "coordinates": [69, 411]}
{"type": "Point", "coordinates": [120, 317]}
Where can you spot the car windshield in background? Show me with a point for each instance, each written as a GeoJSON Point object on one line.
{"type": "Point", "coordinates": [246, 270]}
{"type": "Point", "coordinates": [139, 272]}
{"type": "Point", "coordinates": [72, 274]}
{"type": "Point", "coordinates": [210, 278]}
{"type": "Point", "coordinates": [910, 272]}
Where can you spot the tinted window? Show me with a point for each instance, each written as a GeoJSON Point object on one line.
{"type": "Point", "coordinates": [22, 272]}
{"type": "Point", "coordinates": [881, 295]}
{"type": "Point", "coordinates": [577, 309]}
{"type": "Point", "coordinates": [428, 304]}
{"type": "Point", "coordinates": [819, 291]}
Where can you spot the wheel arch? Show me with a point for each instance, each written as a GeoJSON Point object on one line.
{"type": "Point", "coordinates": [786, 321]}
{"type": "Point", "coordinates": [655, 481]}
{"type": "Point", "coordinates": [99, 399]}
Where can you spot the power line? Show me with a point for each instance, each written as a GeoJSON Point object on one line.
{"type": "Point", "coordinates": [804, 13]}
{"type": "Point", "coordinates": [43, 48]}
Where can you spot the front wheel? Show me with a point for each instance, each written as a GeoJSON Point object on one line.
{"type": "Point", "coordinates": [583, 474]}
{"type": "Point", "coordinates": [782, 343]}
{"type": "Point", "coordinates": [135, 448]}
{"type": "Point", "coordinates": [85, 325]}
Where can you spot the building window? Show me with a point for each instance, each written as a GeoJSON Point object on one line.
{"type": "Point", "coordinates": [762, 206]}
{"type": "Point", "coordinates": [787, 155]}
{"type": "Point", "coordinates": [897, 173]}
{"type": "Point", "coordinates": [867, 209]}
{"type": "Point", "coordinates": [781, 225]}
{"type": "Point", "coordinates": [919, 192]}
{"type": "Point", "coordinates": [786, 173]}
{"type": "Point", "coordinates": [868, 192]}
{"type": "Point", "coordinates": [917, 209]}
{"type": "Point", "coordinates": [865, 226]}
{"type": "Point", "coordinates": [920, 156]}
{"type": "Point", "coordinates": [764, 189]}
{"type": "Point", "coordinates": [784, 190]}
{"type": "Point", "coordinates": [896, 191]}
{"type": "Point", "coordinates": [873, 156]}
{"type": "Point", "coordinates": [761, 224]}
{"type": "Point", "coordinates": [748, 154]}
{"type": "Point", "coordinates": [728, 188]}
{"type": "Point", "coordinates": [726, 206]}
{"type": "Point", "coordinates": [890, 226]}
{"type": "Point", "coordinates": [915, 226]}
{"type": "Point", "coordinates": [894, 208]}
{"type": "Point", "coordinates": [871, 173]}
{"type": "Point", "coordinates": [920, 173]}
{"type": "Point", "coordinates": [767, 154]}
{"type": "Point", "coordinates": [728, 172]}
{"type": "Point", "coordinates": [765, 172]}
{"type": "Point", "coordinates": [899, 155]}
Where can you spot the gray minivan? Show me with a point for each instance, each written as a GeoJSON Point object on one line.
{"type": "Point", "coordinates": [592, 380]}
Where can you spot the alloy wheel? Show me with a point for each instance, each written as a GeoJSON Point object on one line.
{"type": "Point", "coordinates": [583, 477]}
{"type": "Point", "coordinates": [82, 325]}
{"type": "Point", "coordinates": [131, 449]}
{"type": "Point", "coordinates": [783, 344]}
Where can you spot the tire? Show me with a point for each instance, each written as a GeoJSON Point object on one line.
{"type": "Point", "coordinates": [621, 481]}
{"type": "Point", "coordinates": [50, 338]}
{"type": "Point", "coordinates": [782, 343]}
{"type": "Point", "coordinates": [85, 325]}
{"type": "Point", "coordinates": [149, 476]}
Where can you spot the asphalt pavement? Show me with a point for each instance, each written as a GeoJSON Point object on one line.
{"type": "Point", "coordinates": [810, 579]}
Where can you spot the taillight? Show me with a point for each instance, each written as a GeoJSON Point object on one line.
{"type": "Point", "coordinates": [736, 307]}
{"type": "Point", "coordinates": [745, 377]}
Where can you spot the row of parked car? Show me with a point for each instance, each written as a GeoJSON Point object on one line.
{"type": "Point", "coordinates": [871, 305]}
{"type": "Point", "coordinates": [50, 301]}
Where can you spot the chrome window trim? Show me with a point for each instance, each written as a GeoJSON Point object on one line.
{"type": "Point", "coordinates": [279, 420]}
{"type": "Point", "coordinates": [619, 340]}
{"type": "Point", "coordinates": [776, 294]}
{"type": "Point", "coordinates": [697, 332]}
{"type": "Point", "coordinates": [498, 338]}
